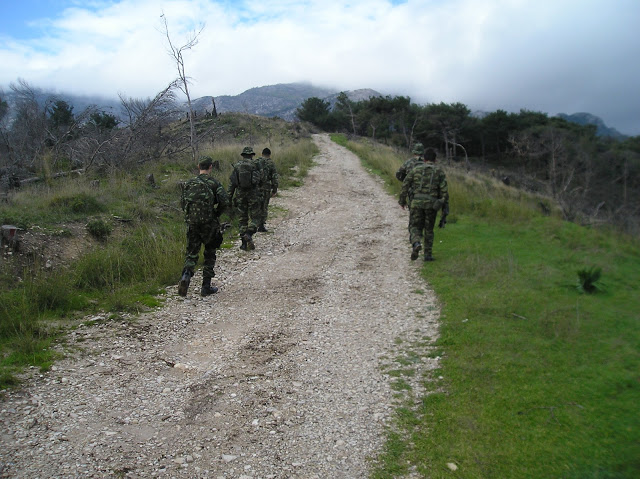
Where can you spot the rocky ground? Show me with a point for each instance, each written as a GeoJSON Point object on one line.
{"type": "Point", "coordinates": [282, 374]}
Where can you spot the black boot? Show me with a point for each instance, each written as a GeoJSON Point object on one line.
{"type": "Point", "coordinates": [207, 289]}
{"type": "Point", "coordinates": [243, 246]}
{"type": "Point", "coordinates": [429, 257]}
{"type": "Point", "coordinates": [249, 240]}
{"type": "Point", "coordinates": [183, 285]}
{"type": "Point", "coordinates": [262, 229]}
{"type": "Point", "coordinates": [416, 251]}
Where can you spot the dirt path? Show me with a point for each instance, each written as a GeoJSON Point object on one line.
{"type": "Point", "coordinates": [280, 375]}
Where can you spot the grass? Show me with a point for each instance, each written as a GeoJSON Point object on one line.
{"type": "Point", "coordinates": [139, 232]}
{"type": "Point", "coordinates": [538, 380]}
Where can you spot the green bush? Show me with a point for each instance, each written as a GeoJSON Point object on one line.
{"type": "Point", "coordinates": [99, 229]}
{"type": "Point", "coordinates": [588, 279]}
{"type": "Point", "coordinates": [80, 203]}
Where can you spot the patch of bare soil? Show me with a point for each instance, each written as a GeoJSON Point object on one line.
{"type": "Point", "coordinates": [282, 374]}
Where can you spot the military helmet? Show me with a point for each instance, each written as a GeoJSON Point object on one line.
{"type": "Point", "coordinates": [247, 150]}
{"type": "Point", "coordinates": [418, 149]}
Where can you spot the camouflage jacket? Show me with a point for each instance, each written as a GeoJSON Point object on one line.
{"type": "Point", "coordinates": [203, 199]}
{"type": "Point", "coordinates": [407, 166]}
{"type": "Point", "coordinates": [426, 184]}
{"type": "Point", "coordinates": [269, 175]}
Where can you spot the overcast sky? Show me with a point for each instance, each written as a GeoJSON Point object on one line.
{"type": "Point", "coordinates": [555, 56]}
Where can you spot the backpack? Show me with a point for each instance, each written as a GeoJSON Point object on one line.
{"type": "Point", "coordinates": [426, 188]}
{"type": "Point", "coordinates": [248, 177]}
{"type": "Point", "coordinates": [198, 200]}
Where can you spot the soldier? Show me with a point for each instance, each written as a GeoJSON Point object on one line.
{"type": "Point", "coordinates": [269, 185]}
{"type": "Point", "coordinates": [416, 159]}
{"type": "Point", "coordinates": [430, 193]}
{"type": "Point", "coordinates": [245, 179]}
{"type": "Point", "coordinates": [200, 195]}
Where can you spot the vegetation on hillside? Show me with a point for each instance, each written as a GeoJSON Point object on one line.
{"type": "Point", "coordinates": [592, 179]}
{"type": "Point", "coordinates": [537, 377]}
{"type": "Point", "coordinates": [110, 239]}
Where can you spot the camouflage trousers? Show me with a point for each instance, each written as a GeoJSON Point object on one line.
{"type": "Point", "coordinates": [422, 219]}
{"type": "Point", "coordinates": [266, 197]}
{"type": "Point", "coordinates": [248, 205]}
{"type": "Point", "coordinates": [198, 234]}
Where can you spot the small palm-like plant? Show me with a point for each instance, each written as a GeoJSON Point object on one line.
{"type": "Point", "coordinates": [587, 279]}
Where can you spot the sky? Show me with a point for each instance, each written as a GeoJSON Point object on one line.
{"type": "Point", "coordinates": [553, 56]}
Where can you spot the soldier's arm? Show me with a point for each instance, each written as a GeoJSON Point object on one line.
{"type": "Point", "coordinates": [232, 184]}
{"type": "Point", "coordinates": [406, 186]}
{"type": "Point", "coordinates": [444, 188]}
{"type": "Point", "coordinates": [223, 199]}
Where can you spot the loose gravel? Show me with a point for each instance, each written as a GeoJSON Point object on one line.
{"type": "Point", "coordinates": [282, 374]}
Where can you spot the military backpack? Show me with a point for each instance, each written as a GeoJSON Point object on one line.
{"type": "Point", "coordinates": [247, 175]}
{"type": "Point", "coordinates": [426, 188]}
{"type": "Point", "coordinates": [198, 200]}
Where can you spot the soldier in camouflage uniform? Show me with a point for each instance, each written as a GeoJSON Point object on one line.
{"type": "Point", "coordinates": [410, 164]}
{"type": "Point", "coordinates": [203, 201]}
{"type": "Point", "coordinates": [244, 183]}
{"type": "Point", "coordinates": [416, 159]}
{"type": "Point", "coordinates": [269, 185]}
{"type": "Point", "coordinates": [427, 184]}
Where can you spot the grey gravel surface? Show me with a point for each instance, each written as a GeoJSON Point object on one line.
{"type": "Point", "coordinates": [282, 374]}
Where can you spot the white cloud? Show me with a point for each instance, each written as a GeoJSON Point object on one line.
{"type": "Point", "coordinates": [542, 55]}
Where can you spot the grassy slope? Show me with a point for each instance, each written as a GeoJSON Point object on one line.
{"type": "Point", "coordinates": [538, 380]}
{"type": "Point", "coordinates": [125, 273]}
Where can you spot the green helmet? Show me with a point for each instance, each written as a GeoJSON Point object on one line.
{"type": "Point", "coordinates": [247, 150]}
{"type": "Point", "coordinates": [418, 149]}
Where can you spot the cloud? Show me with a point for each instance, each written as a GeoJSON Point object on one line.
{"type": "Point", "coordinates": [542, 55]}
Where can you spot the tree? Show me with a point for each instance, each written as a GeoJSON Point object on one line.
{"type": "Point", "coordinates": [103, 121]}
{"type": "Point", "coordinates": [315, 111]}
{"type": "Point", "coordinates": [177, 53]}
{"type": "Point", "coordinates": [344, 113]}
{"type": "Point", "coordinates": [447, 121]}
{"type": "Point", "coordinates": [61, 114]}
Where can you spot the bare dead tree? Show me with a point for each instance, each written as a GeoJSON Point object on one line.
{"type": "Point", "coordinates": [177, 53]}
{"type": "Point", "coordinates": [145, 119]}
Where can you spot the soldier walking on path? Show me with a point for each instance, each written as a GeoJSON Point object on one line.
{"type": "Point", "coordinates": [203, 201]}
{"type": "Point", "coordinates": [269, 185]}
{"type": "Point", "coordinates": [244, 183]}
{"type": "Point", "coordinates": [428, 185]}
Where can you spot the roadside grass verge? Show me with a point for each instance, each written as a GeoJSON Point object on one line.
{"type": "Point", "coordinates": [538, 378]}
{"type": "Point", "coordinates": [138, 248]}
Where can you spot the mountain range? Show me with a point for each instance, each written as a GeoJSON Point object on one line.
{"type": "Point", "coordinates": [279, 100]}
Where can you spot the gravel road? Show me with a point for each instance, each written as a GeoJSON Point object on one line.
{"type": "Point", "coordinates": [282, 374]}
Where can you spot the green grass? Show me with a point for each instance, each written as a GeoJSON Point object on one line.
{"type": "Point", "coordinates": [539, 379]}
{"type": "Point", "coordinates": [533, 368]}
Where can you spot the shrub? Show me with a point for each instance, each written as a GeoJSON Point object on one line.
{"type": "Point", "coordinates": [82, 203]}
{"type": "Point", "coordinates": [99, 229]}
{"type": "Point", "coordinates": [587, 279]}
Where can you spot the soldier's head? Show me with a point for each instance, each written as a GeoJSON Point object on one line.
{"type": "Point", "coordinates": [205, 163]}
{"type": "Point", "coordinates": [418, 149]}
{"type": "Point", "coordinates": [430, 154]}
{"type": "Point", "coordinates": [266, 152]}
{"type": "Point", "coordinates": [247, 152]}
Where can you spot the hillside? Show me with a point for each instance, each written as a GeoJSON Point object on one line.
{"type": "Point", "coordinates": [589, 119]}
{"type": "Point", "coordinates": [280, 100]}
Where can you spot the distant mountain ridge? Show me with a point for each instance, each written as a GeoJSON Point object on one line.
{"type": "Point", "coordinates": [589, 119]}
{"type": "Point", "coordinates": [281, 100]}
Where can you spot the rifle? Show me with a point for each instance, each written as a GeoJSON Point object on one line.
{"type": "Point", "coordinates": [443, 215]}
